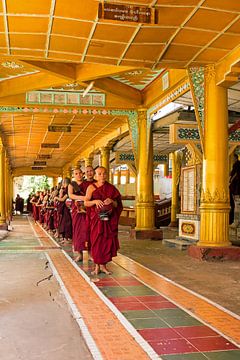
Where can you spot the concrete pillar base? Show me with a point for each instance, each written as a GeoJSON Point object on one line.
{"type": "Point", "coordinates": [209, 253]}
{"type": "Point", "coordinates": [151, 234]}
{"type": "Point", "coordinates": [173, 224]}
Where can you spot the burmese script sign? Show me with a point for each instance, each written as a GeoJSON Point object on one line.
{"type": "Point", "coordinates": [44, 156]}
{"type": "Point", "coordinates": [138, 14]}
{"type": "Point", "coordinates": [188, 191]}
{"type": "Point", "coordinates": [51, 146]}
{"type": "Point", "coordinates": [37, 168]}
{"type": "Point", "coordinates": [40, 163]}
{"type": "Point", "coordinates": [59, 128]}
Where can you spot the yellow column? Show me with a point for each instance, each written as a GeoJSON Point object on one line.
{"type": "Point", "coordinates": [111, 176]}
{"type": "Point", "coordinates": [145, 219]}
{"type": "Point", "coordinates": [175, 197]}
{"type": "Point", "coordinates": [6, 187]}
{"type": "Point", "coordinates": [118, 173]}
{"type": "Point", "coordinates": [165, 169]}
{"type": "Point", "coordinates": [10, 193]}
{"type": "Point", "coordinates": [2, 186]}
{"type": "Point", "coordinates": [88, 161]}
{"type": "Point", "coordinates": [215, 207]}
{"type": "Point", "coordinates": [105, 155]}
{"type": "Point", "coordinates": [127, 176]}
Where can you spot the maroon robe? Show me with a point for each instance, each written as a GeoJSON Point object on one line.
{"type": "Point", "coordinates": [104, 234]}
{"type": "Point", "coordinates": [84, 186]}
{"type": "Point", "coordinates": [79, 229]}
{"type": "Point", "coordinates": [65, 220]}
{"type": "Point", "coordinates": [35, 209]}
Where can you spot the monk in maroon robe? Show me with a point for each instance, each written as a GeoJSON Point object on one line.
{"type": "Point", "coordinates": [89, 173]}
{"type": "Point", "coordinates": [79, 230]}
{"type": "Point", "coordinates": [105, 203]}
{"type": "Point", "coordinates": [34, 201]}
{"type": "Point", "coordinates": [65, 221]}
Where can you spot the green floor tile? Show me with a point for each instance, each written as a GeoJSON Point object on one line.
{"type": "Point", "coordinates": [192, 356]}
{"type": "Point", "coordinates": [139, 314]}
{"type": "Point", "coordinates": [114, 292]}
{"type": "Point", "coordinates": [177, 317]}
{"type": "Point", "coordinates": [223, 355]}
{"type": "Point", "coordinates": [140, 290]}
{"type": "Point", "coordinates": [169, 313]}
{"type": "Point", "coordinates": [153, 323]}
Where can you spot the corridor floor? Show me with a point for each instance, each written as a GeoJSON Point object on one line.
{"type": "Point", "coordinates": [135, 313]}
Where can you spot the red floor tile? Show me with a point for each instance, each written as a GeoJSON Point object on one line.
{"type": "Point", "coordinates": [123, 300]}
{"type": "Point", "coordinates": [160, 305]}
{"type": "Point", "coordinates": [159, 334]}
{"type": "Point", "coordinates": [176, 346]}
{"type": "Point", "coordinates": [212, 343]}
{"type": "Point", "coordinates": [107, 283]}
{"type": "Point", "coordinates": [148, 298]}
{"type": "Point", "coordinates": [189, 332]}
{"type": "Point", "coordinates": [131, 306]}
{"type": "Point", "coordinates": [132, 282]}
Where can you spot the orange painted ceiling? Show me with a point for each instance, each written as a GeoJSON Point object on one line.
{"type": "Point", "coordinates": [46, 44]}
{"type": "Point", "coordinates": [188, 32]}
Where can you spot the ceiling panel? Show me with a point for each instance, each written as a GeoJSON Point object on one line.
{"type": "Point", "coordinates": [116, 33]}
{"type": "Point", "coordinates": [231, 5]}
{"type": "Point", "coordinates": [154, 35]}
{"type": "Point", "coordinates": [27, 24]}
{"type": "Point", "coordinates": [194, 37]}
{"type": "Point", "coordinates": [75, 9]}
{"type": "Point", "coordinates": [71, 27]}
{"type": "Point", "coordinates": [28, 7]}
{"type": "Point", "coordinates": [210, 19]}
{"type": "Point", "coordinates": [226, 41]}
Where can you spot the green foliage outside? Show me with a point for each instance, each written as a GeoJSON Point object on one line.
{"type": "Point", "coordinates": [24, 185]}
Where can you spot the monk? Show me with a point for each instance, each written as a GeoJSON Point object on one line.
{"type": "Point", "coordinates": [34, 201]}
{"type": "Point", "coordinates": [65, 221]}
{"type": "Point", "coordinates": [89, 173]}
{"type": "Point", "coordinates": [105, 203]}
{"type": "Point", "coordinates": [79, 230]}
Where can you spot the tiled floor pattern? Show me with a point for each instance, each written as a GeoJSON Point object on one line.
{"type": "Point", "coordinates": [214, 316]}
{"type": "Point", "coordinates": [171, 332]}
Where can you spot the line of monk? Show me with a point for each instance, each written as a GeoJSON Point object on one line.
{"type": "Point", "coordinates": [85, 212]}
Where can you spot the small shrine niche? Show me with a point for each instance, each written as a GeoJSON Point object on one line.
{"type": "Point", "coordinates": [190, 190]}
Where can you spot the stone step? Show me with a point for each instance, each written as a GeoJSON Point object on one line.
{"type": "Point", "coordinates": [176, 243]}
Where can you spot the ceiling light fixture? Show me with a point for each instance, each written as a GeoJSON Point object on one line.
{"type": "Point", "coordinates": [86, 91]}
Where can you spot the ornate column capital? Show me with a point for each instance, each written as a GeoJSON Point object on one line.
{"type": "Point", "coordinates": [210, 73]}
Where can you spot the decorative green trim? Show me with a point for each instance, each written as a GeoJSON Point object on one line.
{"type": "Point", "coordinates": [188, 134]}
{"type": "Point", "coordinates": [191, 134]}
{"type": "Point", "coordinates": [196, 76]}
{"type": "Point", "coordinates": [128, 157]}
{"type": "Point", "coordinates": [234, 136]}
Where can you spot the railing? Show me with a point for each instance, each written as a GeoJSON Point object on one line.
{"type": "Point", "coordinates": [162, 213]}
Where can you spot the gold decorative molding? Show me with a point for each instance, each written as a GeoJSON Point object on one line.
{"type": "Point", "coordinates": [195, 155]}
{"type": "Point", "coordinates": [216, 197]}
{"type": "Point", "coordinates": [210, 73]}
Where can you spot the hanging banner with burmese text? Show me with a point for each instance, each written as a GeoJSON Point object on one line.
{"type": "Point", "coordinates": [131, 13]}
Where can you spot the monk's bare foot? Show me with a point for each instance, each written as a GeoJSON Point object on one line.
{"type": "Point", "coordinates": [105, 270]}
{"type": "Point", "coordinates": [78, 258]}
{"type": "Point", "coordinates": [96, 271]}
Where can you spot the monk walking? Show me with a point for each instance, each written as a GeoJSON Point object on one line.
{"type": "Point", "coordinates": [79, 229]}
{"type": "Point", "coordinates": [105, 203]}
